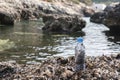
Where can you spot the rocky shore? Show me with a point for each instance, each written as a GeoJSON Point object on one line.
{"type": "Point", "coordinates": [63, 23]}
{"type": "Point", "coordinates": [58, 68]}
{"type": "Point", "coordinates": [110, 17]}
{"type": "Point", "coordinates": [15, 10]}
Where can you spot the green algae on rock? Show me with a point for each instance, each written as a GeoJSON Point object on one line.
{"type": "Point", "coordinates": [6, 44]}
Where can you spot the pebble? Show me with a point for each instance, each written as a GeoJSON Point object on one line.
{"type": "Point", "coordinates": [59, 68]}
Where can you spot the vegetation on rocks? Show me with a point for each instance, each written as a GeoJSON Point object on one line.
{"type": "Point", "coordinates": [6, 44]}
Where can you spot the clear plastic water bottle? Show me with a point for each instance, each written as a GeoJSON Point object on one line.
{"type": "Point", "coordinates": [79, 55]}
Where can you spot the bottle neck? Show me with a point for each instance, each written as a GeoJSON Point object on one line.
{"type": "Point", "coordinates": [79, 44]}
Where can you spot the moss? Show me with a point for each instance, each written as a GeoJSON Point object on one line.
{"type": "Point", "coordinates": [6, 44]}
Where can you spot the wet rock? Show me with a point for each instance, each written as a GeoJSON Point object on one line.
{"type": "Point", "coordinates": [118, 56]}
{"type": "Point", "coordinates": [97, 17]}
{"type": "Point", "coordinates": [6, 19]}
{"type": "Point", "coordinates": [63, 24]}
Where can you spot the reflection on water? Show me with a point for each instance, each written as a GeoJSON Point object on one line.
{"type": "Point", "coordinates": [31, 45]}
{"type": "Point", "coordinates": [96, 41]}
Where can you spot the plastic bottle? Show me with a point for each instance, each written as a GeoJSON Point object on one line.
{"type": "Point", "coordinates": [79, 55]}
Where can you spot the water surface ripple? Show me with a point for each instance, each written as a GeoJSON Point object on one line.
{"type": "Point", "coordinates": [31, 45]}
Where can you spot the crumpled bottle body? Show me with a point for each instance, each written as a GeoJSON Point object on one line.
{"type": "Point", "coordinates": [79, 57]}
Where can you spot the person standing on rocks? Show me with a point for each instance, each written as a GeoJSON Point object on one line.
{"type": "Point", "coordinates": [79, 55]}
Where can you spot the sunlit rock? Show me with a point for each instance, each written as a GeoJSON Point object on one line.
{"type": "Point", "coordinates": [12, 10]}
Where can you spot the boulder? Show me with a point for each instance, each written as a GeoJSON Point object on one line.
{"type": "Point", "coordinates": [112, 18]}
{"type": "Point", "coordinates": [12, 10]}
{"type": "Point", "coordinates": [88, 12]}
{"type": "Point", "coordinates": [8, 14]}
{"type": "Point", "coordinates": [28, 14]}
{"type": "Point", "coordinates": [63, 23]}
{"type": "Point", "coordinates": [98, 17]}
{"type": "Point", "coordinates": [66, 8]}
{"type": "Point", "coordinates": [6, 19]}
{"type": "Point", "coordinates": [109, 17]}
{"type": "Point", "coordinates": [108, 8]}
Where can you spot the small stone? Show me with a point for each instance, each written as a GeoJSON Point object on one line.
{"type": "Point", "coordinates": [118, 56]}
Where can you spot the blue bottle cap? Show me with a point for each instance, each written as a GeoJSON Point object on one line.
{"type": "Point", "coordinates": [80, 39]}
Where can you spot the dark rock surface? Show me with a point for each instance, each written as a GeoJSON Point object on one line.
{"type": "Point", "coordinates": [97, 17]}
{"type": "Point", "coordinates": [6, 18]}
{"type": "Point", "coordinates": [118, 56]}
{"type": "Point", "coordinates": [112, 18]}
{"type": "Point", "coordinates": [109, 17]}
{"type": "Point", "coordinates": [6, 70]}
{"type": "Point", "coordinates": [62, 23]}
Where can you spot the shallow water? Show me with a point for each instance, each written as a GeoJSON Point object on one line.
{"type": "Point", "coordinates": [31, 45]}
